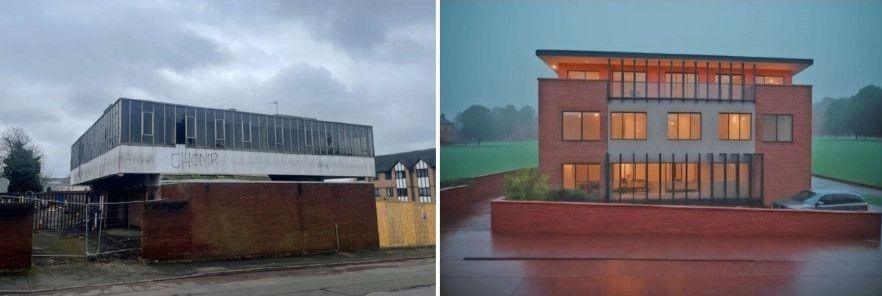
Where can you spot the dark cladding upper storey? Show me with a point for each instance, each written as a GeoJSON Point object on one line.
{"type": "Point", "coordinates": [146, 123]}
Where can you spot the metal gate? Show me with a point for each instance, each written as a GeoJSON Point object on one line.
{"type": "Point", "coordinates": [70, 226]}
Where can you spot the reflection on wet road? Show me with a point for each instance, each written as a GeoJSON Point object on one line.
{"type": "Point", "coordinates": [475, 261]}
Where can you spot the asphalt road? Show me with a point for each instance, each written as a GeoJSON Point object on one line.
{"type": "Point", "coordinates": [409, 277]}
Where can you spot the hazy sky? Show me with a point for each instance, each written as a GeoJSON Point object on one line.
{"type": "Point", "coordinates": [371, 63]}
{"type": "Point", "coordinates": [488, 47]}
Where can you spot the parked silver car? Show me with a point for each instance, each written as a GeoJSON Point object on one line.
{"type": "Point", "coordinates": [840, 200]}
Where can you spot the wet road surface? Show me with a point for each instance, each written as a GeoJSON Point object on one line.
{"type": "Point", "coordinates": [476, 262]}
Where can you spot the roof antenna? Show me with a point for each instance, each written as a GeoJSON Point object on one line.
{"type": "Point", "coordinates": [277, 106]}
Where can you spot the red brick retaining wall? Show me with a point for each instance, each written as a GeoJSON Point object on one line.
{"type": "Point", "coordinates": [197, 220]}
{"type": "Point", "coordinates": [601, 218]}
{"type": "Point", "coordinates": [462, 199]}
{"type": "Point", "coordinates": [16, 233]}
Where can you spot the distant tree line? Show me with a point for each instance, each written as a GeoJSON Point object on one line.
{"type": "Point", "coordinates": [478, 123]}
{"type": "Point", "coordinates": [855, 116]}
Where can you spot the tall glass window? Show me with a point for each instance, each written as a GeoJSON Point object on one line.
{"type": "Point", "coordinates": [628, 84]}
{"type": "Point", "coordinates": [777, 127]}
{"type": "Point", "coordinates": [582, 177]}
{"type": "Point", "coordinates": [628, 125]}
{"type": "Point", "coordinates": [681, 85]}
{"type": "Point", "coordinates": [729, 86]}
{"type": "Point", "coordinates": [684, 126]}
{"type": "Point", "coordinates": [734, 126]}
{"type": "Point", "coordinates": [147, 123]}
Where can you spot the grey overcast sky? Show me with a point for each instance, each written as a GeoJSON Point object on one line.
{"type": "Point", "coordinates": [367, 62]}
{"type": "Point", "coordinates": [488, 47]}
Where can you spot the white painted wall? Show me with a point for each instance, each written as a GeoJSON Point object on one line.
{"type": "Point", "coordinates": [183, 160]}
{"type": "Point", "coordinates": [657, 129]}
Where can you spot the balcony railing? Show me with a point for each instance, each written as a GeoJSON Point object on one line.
{"type": "Point", "coordinates": [680, 90]}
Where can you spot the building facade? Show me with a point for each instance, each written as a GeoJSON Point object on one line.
{"type": "Point", "coordinates": [138, 137]}
{"type": "Point", "coordinates": [408, 176]}
{"type": "Point", "coordinates": [648, 127]}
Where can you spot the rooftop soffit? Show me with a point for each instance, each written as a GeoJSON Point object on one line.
{"type": "Point", "coordinates": [555, 57]}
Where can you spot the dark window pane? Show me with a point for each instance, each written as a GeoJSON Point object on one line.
{"type": "Point", "coordinates": [124, 130]}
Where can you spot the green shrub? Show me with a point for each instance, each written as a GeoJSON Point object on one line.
{"type": "Point", "coordinates": [528, 184]}
{"type": "Point", "coordinates": [567, 195]}
{"type": "Point", "coordinates": [573, 195]}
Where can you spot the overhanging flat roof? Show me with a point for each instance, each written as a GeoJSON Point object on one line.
{"type": "Point", "coordinates": [553, 57]}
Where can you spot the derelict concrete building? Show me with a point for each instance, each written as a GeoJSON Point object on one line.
{"type": "Point", "coordinates": [137, 143]}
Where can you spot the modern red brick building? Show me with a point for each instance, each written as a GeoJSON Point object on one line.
{"type": "Point", "coordinates": [681, 128]}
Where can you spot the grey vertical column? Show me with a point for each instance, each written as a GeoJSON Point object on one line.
{"type": "Point", "coordinates": [711, 156]}
{"type": "Point", "coordinates": [606, 175]}
{"type": "Point", "coordinates": [686, 177]}
{"type": "Point", "coordinates": [699, 175]}
{"type": "Point", "coordinates": [725, 175]}
{"type": "Point", "coordinates": [620, 177]}
{"type": "Point", "coordinates": [660, 182]}
{"type": "Point", "coordinates": [646, 177]}
{"type": "Point", "coordinates": [673, 171]}
{"type": "Point", "coordinates": [633, 168]}
{"type": "Point", "coordinates": [738, 176]}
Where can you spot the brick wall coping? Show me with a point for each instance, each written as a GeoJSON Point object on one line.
{"type": "Point", "coordinates": [15, 209]}
{"type": "Point", "coordinates": [686, 207]}
{"type": "Point", "coordinates": [169, 182]}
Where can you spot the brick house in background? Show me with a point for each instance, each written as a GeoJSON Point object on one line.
{"type": "Point", "coordinates": [407, 176]}
{"type": "Point", "coordinates": [448, 131]}
{"type": "Point", "coordinates": [681, 128]}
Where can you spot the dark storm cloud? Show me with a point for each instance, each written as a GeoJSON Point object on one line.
{"type": "Point", "coordinates": [369, 62]}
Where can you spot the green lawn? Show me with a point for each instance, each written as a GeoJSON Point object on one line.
{"type": "Point", "coordinates": [466, 161]}
{"type": "Point", "coordinates": [854, 160]}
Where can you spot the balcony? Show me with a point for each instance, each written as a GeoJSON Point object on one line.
{"type": "Point", "coordinates": [681, 91]}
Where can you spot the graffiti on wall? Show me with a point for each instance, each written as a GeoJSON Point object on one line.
{"type": "Point", "coordinates": [193, 159]}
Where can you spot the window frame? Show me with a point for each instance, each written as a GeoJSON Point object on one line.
{"type": "Point", "coordinates": [575, 178]}
{"type": "Point", "coordinates": [581, 126]}
{"type": "Point", "coordinates": [222, 135]}
{"type": "Point", "coordinates": [152, 127]}
{"type": "Point", "coordinates": [700, 128]}
{"type": "Point", "coordinates": [584, 72]}
{"type": "Point", "coordinates": [246, 119]}
{"type": "Point", "coordinates": [749, 133]}
{"type": "Point", "coordinates": [669, 81]}
{"type": "Point", "coordinates": [645, 127]}
{"type": "Point", "coordinates": [775, 116]}
{"type": "Point", "coordinates": [278, 133]}
{"type": "Point", "coordinates": [755, 77]}
{"type": "Point", "coordinates": [399, 191]}
{"type": "Point", "coordinates": [187, 135]}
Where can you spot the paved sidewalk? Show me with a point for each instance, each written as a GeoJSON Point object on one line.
{"type": "Point", "coordinates": [400, 278]}
{"type": "Point", "coordinates": [91, 274]}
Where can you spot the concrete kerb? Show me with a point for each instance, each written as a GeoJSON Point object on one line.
{"type": "Point", "coordinates": [222, 273]}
